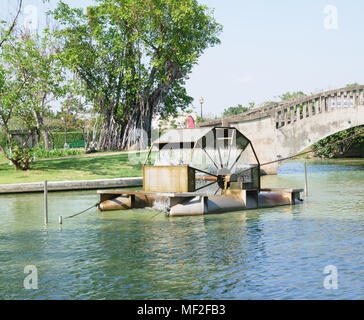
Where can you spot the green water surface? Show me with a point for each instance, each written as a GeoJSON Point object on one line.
{"type": "Point", "coordinates": [277, 253]}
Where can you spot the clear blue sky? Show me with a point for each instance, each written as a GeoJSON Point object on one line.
{"type": "Point", "coordinates": [271, 47]}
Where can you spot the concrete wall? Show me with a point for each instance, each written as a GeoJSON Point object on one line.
{"type": "Point", "coordinates": [71, 185]}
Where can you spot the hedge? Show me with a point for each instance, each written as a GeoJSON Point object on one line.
{"type": "Point", "coordinates": [59, 138]}
{"type": "Point", "coordinates": [75, 139]}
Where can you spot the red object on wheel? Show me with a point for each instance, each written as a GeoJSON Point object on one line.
{"type": "Point", "coordinates": [191, 123]}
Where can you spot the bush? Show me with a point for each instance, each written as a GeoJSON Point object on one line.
{"type": "Point", "coordinates": [342, 148]}
{"type": "Point", "coordinates": [77, 144]}
{"type": "Point", "coordinates": [56, 153]}
{"type": "Point", "coordinates": [21, 157]}
{"type": "Point", "coordinates": [3, 138]}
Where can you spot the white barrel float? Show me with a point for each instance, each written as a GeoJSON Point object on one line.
{"type": "Point", "coordinates": [191, 207]}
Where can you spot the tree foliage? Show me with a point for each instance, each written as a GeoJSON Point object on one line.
{"type": "Point", "coordinates": [292, 95]}
{"type": "Point", "coordinates": [340, 149]}
{"type": "Point", "coordinates": [354, 84]}
{"type": "Point", "coordinates": [133, 58]}
{"type": "Point", "coordinates": [30, 78]}
{"type": "Point", "coordinates": [11, 97]}
{"type": "Point", "coordinates": [234, 111]}
{"type": "Point", "coordinates": [32, 58]}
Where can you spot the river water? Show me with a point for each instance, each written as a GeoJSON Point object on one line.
{"type": "Point", "coordinates": [278, 253]}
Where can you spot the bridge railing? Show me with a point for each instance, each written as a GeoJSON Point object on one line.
{"type": "Point", "coordinates": [287, 112]}
{"type": "Point", "coordinates": [321, 103]}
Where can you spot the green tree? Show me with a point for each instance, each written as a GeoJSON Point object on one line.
{"type": "Point", "coordinates": [9, 91]}
{"type": "Point", "coordinates": [11, 99]}
{"type": "Point", "coordinates": [267, 103]}
{"type": "Point", "coordinates": [134, 58]}
{"type": "Point", "coordinates": [233, 111]}
{"type": "Point", "coordinates": [32, 58]}
{"type": "Point", "coordinates": [292, 95]}
{"type": "Point", "coordinates": [353, 84]}
{"type": "Point", "coordinates": [31, 78]}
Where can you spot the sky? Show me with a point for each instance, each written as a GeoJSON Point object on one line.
{"type": "Point", "coordinates": [268, 48]}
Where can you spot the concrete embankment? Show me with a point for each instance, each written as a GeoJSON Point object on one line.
{"type": "Point", "coordinates": [72, 185]}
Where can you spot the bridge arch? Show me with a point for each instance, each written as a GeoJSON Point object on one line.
{"type": "Point", "coordinates": [284, 129]}
{"type": "Point", "coordinates": [319, 139]}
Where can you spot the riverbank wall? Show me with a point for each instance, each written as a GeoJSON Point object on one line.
{"type": "Point", "coordinates": [81, 185]}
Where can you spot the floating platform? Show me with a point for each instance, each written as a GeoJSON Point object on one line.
{"type": "Point", "coordinates": [193, 203]}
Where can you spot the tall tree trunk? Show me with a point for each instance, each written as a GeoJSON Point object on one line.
{"type": "Point", "coordinates": [94, 133]}
{"type": "Point", "coordinates": [45, 138]}
{"type": "Point", "coordinates": [39, 117]}
{"type": "Point", "coordinates": [137, 132]}
{"type": "Point", "coordinates": [104, 133]}
{"type": "Point", "coordinates": [86, 135]}
{"type": "Point", "coordinates": [109, 131]}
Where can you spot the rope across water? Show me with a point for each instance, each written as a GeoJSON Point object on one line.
{"type": "Point", "coordinates": [77, 214]}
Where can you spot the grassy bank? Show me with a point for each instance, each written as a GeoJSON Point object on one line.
{"type": "Point", "coordinates": [98, 167]}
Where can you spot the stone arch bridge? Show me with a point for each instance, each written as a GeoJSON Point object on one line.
{"type": "Point", "coordinates": [286, 128]}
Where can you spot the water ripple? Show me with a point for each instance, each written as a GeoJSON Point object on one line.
{"type": "Point", "coordinates": [277, 253]}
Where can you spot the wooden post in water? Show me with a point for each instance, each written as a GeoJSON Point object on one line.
{"type": "Point", "coordinates": [60, 220]}
{"type": "Point", "coordinates": [45, 202]}
{"type": "Point", "coordinates": [306, 182]}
